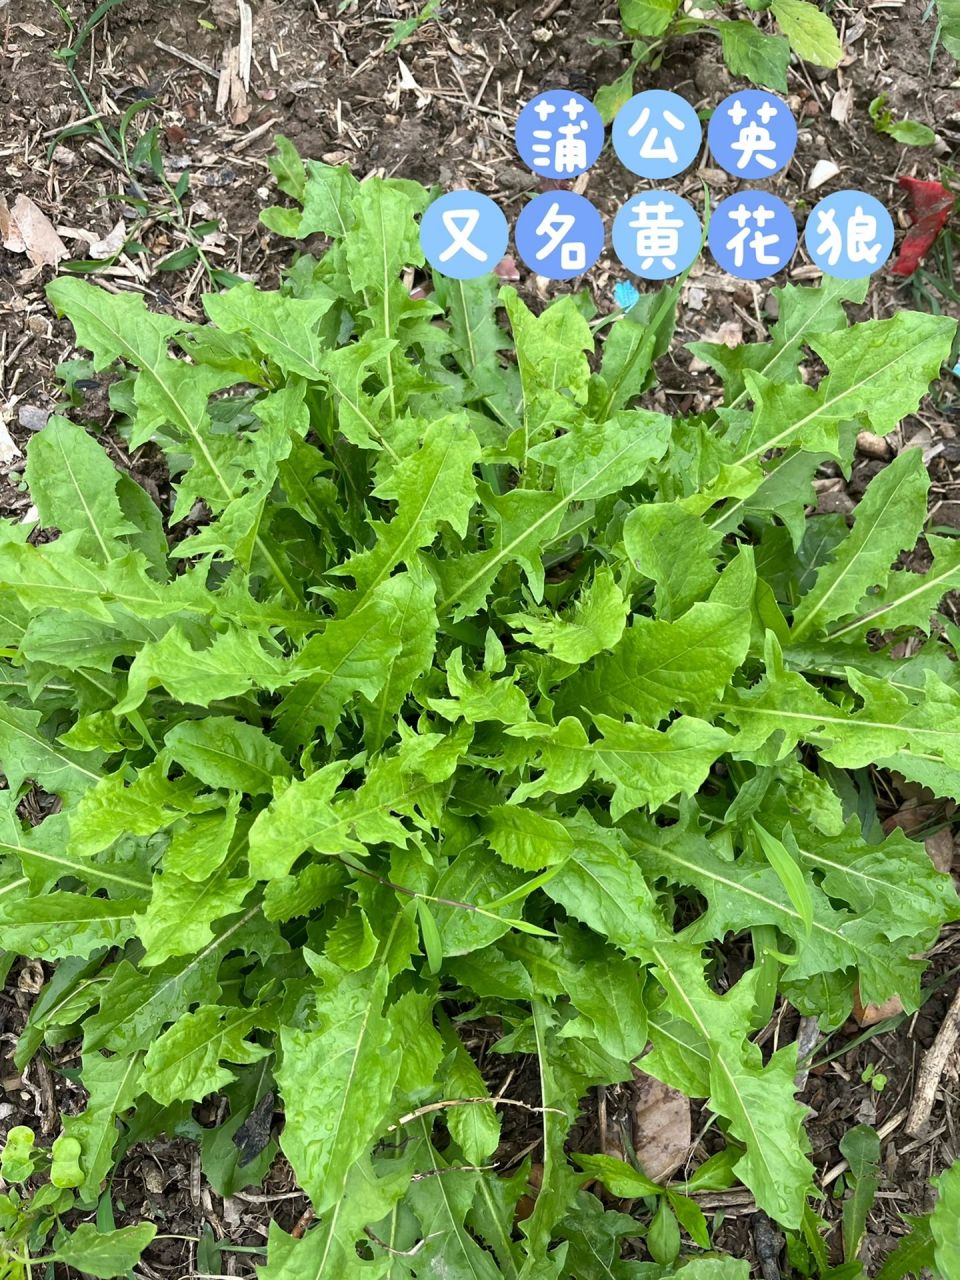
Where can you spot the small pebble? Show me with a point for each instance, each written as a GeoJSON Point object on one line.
{"type": "Point", "coordinates": [32, 418]}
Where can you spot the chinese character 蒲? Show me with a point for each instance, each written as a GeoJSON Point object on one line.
{"type": "Point", "coordinates": [559, 134]}
{"type": "Point", "coordinates": [463, 234]}
{"type": "Point", "coordinates": [657, 134]}
{"type": "Point", "coordinates": [849, 235]}
{"type": "Point", "coordinates": [657, 235]}
{"type": "Point", "coordinates": [752, 134]}
{"type": "Point", "coordinates": [559, 235]}
{"type": "Point", "coordinates": [752, 235]}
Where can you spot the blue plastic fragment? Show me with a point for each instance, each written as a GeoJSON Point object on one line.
{"type": "Point", "coordinates": [626, 294]}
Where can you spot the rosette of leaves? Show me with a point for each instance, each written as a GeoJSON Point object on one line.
{"type": "Point", "coordinates": [470, 689]}
{"type": "Point", "coordinates": [799, 27]}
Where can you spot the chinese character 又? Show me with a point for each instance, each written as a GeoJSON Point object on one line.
{"type": "Point", "coordinates": [461, 223]}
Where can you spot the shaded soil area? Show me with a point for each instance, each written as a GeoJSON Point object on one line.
{"type": "Point", "coordinates": [439, 108]}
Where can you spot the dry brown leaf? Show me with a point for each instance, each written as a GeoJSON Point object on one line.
{"type": "Point", "coordinates": [8, 448]}
{"type": "Point", "coordinates": [26, 229]}
{"type": "Point", "coordinates": [940, 847]}
{"type": "Point", "coordinates": [868, 1015]}
{"type": "Point", "coordinates": [661, 1126]}
{"type": "Point", "coordinates": [10, 236]}
{"type": "Point", "coordinates": [111, 243]}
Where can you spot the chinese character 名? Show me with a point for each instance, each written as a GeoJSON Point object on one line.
{"type": "Point", "coordinates": [648, 148]}
{"type": "Point", "coordinates": [759, 242]}
{"type": "Point", "coordinates": [862, 244]}
{"type": "Point", "coordinates": [658, 234]}
{"type": "Point", "coordinates": [754, 140]}
{"type": "Point", "coordinates": [556, 226]}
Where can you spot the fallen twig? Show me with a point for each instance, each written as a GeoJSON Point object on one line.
{"type": "Point", "coordinates": [931, 1069]}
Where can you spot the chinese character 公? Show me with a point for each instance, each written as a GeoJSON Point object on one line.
{"type": "Point", "coordinates": [657, 134]}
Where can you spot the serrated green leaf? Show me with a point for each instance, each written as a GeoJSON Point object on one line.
{"type": "Point", "coordinates": [647, 17]}
{"type": "Point", "coordinates": [944, 1222]}
{"type": "Point", "coordinates": [949, 14]}
{"type": "Point", "coordinates": [755, 55]}
{"type": "Point", "coordinates": [810, 31]}
{"type": "Point", "coordinates": [225, 752]}
{"type": "Point", "coordinates": [285, 329]}
{"type": "Point", "coordinates": [185, 1062]}
{"type": "Point", "coordinates": [659, 666]}
{"type": "Point", "coordinates": [74, 486]}
{"type": "Point", "coordinates": [104, 1253]}
{"type": "Point", "coordinates": [888, 520]}
{"type": "Point", "coordinates": [354, 1069]}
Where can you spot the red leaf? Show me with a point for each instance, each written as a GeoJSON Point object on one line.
{"type": "Point", "coordinates": [930, 207]}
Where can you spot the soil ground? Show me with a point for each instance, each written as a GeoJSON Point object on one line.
{"type": "Point", "coordinates": [440, 108]}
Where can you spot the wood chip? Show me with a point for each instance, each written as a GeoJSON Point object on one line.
{"type": "Point", "coordinates": [26, 229]}
{"type": "Point", "coordinates": [231, 95]}
{"type": "Point", "coordinates": [8, 448]}
{"type": "Point", "coordinates": [842, 105]}
{"type": "Point", "coordinates": [872, 446]}
{"type": "Point", "coordinates": [823, 171]}
{"type": "Point", "coordinates": [245, 48]}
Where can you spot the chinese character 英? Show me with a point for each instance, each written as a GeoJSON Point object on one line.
{"type": "Point", "coordinates": [752, 134]}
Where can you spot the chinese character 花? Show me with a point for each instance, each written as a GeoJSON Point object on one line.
{"type": "Point", "coordinates": [752, 235]}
